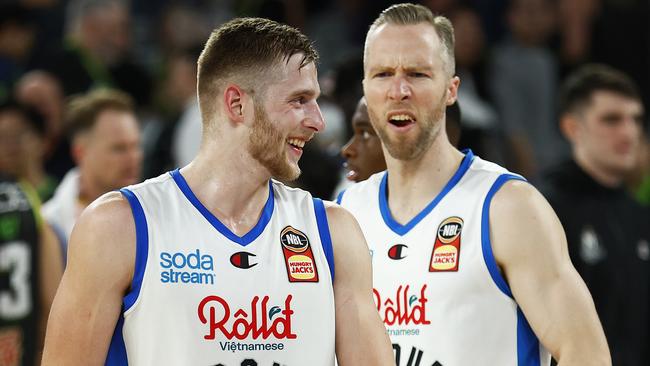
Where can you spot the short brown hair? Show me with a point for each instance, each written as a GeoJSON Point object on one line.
{"type": "Point", "coordinates": [579, 87]}
{"type": "Point", "coordinates": [244, 50]}
{"type": "Point", "coordinates": [411, 14]}
{"type": "Point", "coordinates": [82, 111]}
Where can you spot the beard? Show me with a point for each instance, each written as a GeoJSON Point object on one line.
{"type": "Point", "coordinates": [267, 146]}
{"type": "Point", "coordinates": [407, 148]}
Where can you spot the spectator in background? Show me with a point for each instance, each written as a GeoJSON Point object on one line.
{"type": "Point", "coordinates": [17, 33]}
{"type": "Point", "coordinates": [607, 231]}
{"type": "Point", "coordinates": [42, 91]}
{"type": "Point", "coordinates": [523, 84]}
{"type": "Point", "coordinates": [106, 146]}
{"type": "Point", "coordinates": [186, 131]}
{"type": "Point", "coordinates": [96, 51]}
{"type": "Point", "coordinates": [30, 270]}
{"type": "Point", "coordinates": [23, 146]}
{"type": "Point", "coordinates": [480, 120]}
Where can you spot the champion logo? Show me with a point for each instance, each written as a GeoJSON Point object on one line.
{"type": "Point", "coordinates": [397, 251]}
{"type": "Point", "coordinates": [242, 260]}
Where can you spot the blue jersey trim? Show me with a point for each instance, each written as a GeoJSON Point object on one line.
{"type": "Point", "coordinates": [400, 229]}
{"type": "Point", "coordinates": [339, 198]}
{"type": "Point", "coordinates": [486, 244]}
{"type": "Point", "coordinates": [116, 355]}
{"type": "Point", "coordinates": [324, 233]}
{"type": "Point", "coordinates": [249, 237]}
{"type": "Point", "coordinates": [527, 343]}
{"type": "Point", "coordinates": [141, 247]}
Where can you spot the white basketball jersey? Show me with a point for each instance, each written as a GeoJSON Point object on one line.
{"type": "Point", "coordinates": [436, 284]}
{"type": "Point", "coordinates": [202, 295]}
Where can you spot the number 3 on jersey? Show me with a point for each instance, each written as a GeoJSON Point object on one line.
{"type": "Point", "coordinates": [15, 300]}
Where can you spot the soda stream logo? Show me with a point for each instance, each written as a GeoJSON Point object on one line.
{"type": "Point", "coordinates": [192, 267]}
{"type": "Point", "coordinates": [404, 308]}
{"type": "Point", "coordinates": [257, 322]}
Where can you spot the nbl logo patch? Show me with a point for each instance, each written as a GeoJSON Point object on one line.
{"type": "Point", "coordinates": [298, 256]}
{"type": "Point", "coordinates": [446, 250]}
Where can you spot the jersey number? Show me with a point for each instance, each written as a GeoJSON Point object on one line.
{"type": "Point", "coordinates": [414, 357]}
{"type": "Point", "coordinates": [15, 258]}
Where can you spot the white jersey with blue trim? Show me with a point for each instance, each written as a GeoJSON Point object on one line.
{"type": "Point", "coordinates": [202, 295]}
{"type": "Point", "coordinates": [436, 284]}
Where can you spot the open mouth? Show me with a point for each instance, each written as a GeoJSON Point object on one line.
{"type": "Point", "coordinates": [401, 120]}
{"type": "Point", "coordinates": [297, 144]}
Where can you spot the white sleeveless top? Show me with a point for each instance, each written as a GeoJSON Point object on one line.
{"type": "Point", "coordinates": [436, 283]}
{"type": "Point", "coordinates": [202, 295]}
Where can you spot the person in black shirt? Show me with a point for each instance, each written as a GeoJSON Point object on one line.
{"type": "Point", "coordinates": [607, 231]}
{"type": "Point", "coordinates": [30, 270]}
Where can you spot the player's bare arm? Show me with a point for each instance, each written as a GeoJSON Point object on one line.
{"type": "Point", "coordinates": [51, 265]}
{"type": "Point", "coordinates": [361, 338]}
{"type": "Point", "coordinates": [87, 305]}
{"type": "Point", "coordinates": [530, 248]}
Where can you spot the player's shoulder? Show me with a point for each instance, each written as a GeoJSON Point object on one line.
{"type": "Point", "coordinates": [362, 190]}
{"type": "Point", "coordinates": [152, 184]}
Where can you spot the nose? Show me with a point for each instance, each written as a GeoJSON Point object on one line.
{"type": "Point", "coordinates": [314, 117]}
{"type": "Point", "coordinates": [400, 89]}
{"type": "Point", "coordinates": [348, 151]}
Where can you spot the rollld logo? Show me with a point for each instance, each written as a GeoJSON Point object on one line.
{"type": "Point", "coordinates": [403, 308]}
{"type": "Point", "coordinates": [258, 321]}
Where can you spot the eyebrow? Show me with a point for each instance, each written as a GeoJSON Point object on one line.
{"type": "Point", "coordinates": [306, 92]}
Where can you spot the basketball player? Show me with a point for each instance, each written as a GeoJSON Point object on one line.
{"type": "Point", "coordinates": [215, 263]}
{"type": "Point", "coordinates": [470, 263]}
{"type": "Point", "coordinates": [30, 270]}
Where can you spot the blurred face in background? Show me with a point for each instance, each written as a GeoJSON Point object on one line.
{"type": "Point", "coordinates": [14, 131]}
{"type": "Point", "coordinates": [109, 154]}
{"type": "Point", "coordinates": [531, 22]}
{"type": "Point", "coordinates": [606, 132]}
{"type": "Point", "coordinates": [106, 31]}
{"type": "Point", "coordinates": [363, 154]}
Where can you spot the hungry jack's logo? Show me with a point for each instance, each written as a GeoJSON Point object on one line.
{"type": "Point", "coordinates": [298, 256]}
{"type": "Point", "coordinates": [446, 250]}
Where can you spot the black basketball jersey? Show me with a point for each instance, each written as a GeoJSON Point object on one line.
{"type": "Point", "coordinates": [19, 305]}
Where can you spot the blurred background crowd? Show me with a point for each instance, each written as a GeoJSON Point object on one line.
{"type": "Point", "coordinates": [511, 57]}
{"type": "Point", "coordinates": [64, 63]}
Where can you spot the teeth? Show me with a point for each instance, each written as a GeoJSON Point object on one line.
{"type": "Point", "coordinates": [401, 117]}
{"type": "Point", "coordinates": [296, 142]}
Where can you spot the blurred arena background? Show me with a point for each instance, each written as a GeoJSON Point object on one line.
{"type": "Point", "coordinates": [511, 57]}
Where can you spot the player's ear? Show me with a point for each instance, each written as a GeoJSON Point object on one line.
{"type": "Point", "coordinates": [569, 126]}
{"type": "Point", "coordinates": [452, 90]}
{"type": "Point", "coordinates": [78, 147]}
{"type": "Point", "coordinates": [234, 98]}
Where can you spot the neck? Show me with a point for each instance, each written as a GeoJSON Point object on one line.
{"type": "Point", "coordinates": [230, 184]}
{"type": "Point", "coordinates": [413, 184]}
{"type": "Point", "coordinates": [605, 178]}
